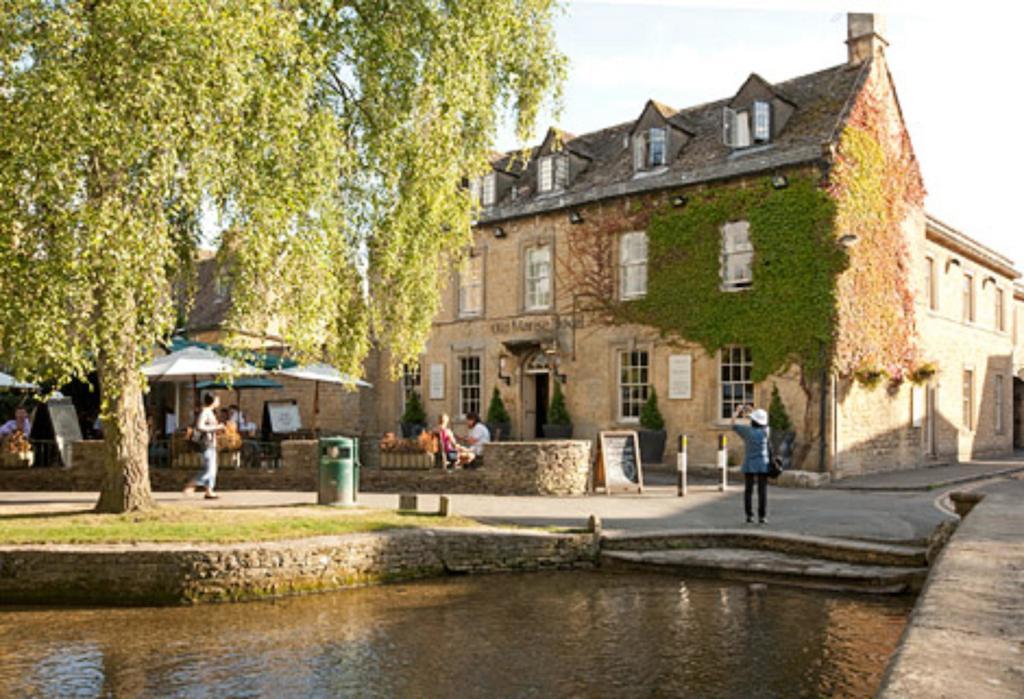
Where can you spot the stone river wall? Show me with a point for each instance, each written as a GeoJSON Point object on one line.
{"type": "Point", "coordinates": [965, 637]}
{"type": "Point", "coordinates": [183, 573]}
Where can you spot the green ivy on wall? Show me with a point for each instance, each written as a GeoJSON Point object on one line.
{"type": "Point", "coordinates": [786, 316]}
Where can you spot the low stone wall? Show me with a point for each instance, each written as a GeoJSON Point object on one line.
{"type": "Point", "coordinates": [966, 634]}
{"type": "Point", "coordinates": [556, 467]}
{"type": "Point", "coordinates": [183, 573]}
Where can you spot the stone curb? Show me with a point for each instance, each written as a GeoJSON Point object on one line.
{"type": "Point", "coordinates": [931, 486]}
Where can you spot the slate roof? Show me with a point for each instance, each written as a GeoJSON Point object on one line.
{"type": "Point", "coordinates": [822, 101]}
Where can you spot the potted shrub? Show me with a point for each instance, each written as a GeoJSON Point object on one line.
{"type": "Point", "coordinates": [652, 431]}
{"type": "Point", "coordinates": [414, 419]}
{"type": "Point", "coordinates": [498, 420]}
{"type": "Point", "coordinates": [559, 424]}
{"type": "Point", "coordinates": [783, 437]}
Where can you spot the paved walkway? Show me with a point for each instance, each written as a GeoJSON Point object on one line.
{"type": "Point", "coordinates": [865, 515]}
{"type": "Point", "coordinates": [936, 477]}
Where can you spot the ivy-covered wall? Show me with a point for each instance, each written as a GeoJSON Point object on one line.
{"type": "Point", "coordinates": [786, 316]}
{"type": "Point", "coordinates": [877, 185]}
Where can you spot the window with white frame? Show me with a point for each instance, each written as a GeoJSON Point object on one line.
{"type": "Point", "coordinates": [633, 265]}
{"type": "Point", "coordinates": [1000, 310]}
{"type": "Point", "coordinates": [490, 189]}
{"type": "Point", "coordinates": [469, 385]}
{"type": "Point", "coordinates": [735, 128]}
{"type": "Point", "coordinates": [634, 383]}
{"type": "Point", "coordinates": [737, 256]}
{"type": "Point", "coordinates": [471, 286]}
{"type": "Point", "coordinates": [411, 381]}
{"type": "Point", "coordinates": [650, 149]}
{"type": "Point", "coordinates": [968, 298]}
{"type": "Point", "coordinates": [968, 399]}
{"type": "Point", "coordinates": [545, 174]}
{"type": "Point", "coordinates": [999, 399]}
{"type": "Point", "coordinates": [762, 122]}
{"type": "Point", "coordinates": [538, 278]}
{"type": "Point", "coordinates": [736, 387]}
{"type": "Point", "coordinates": [552, 173]}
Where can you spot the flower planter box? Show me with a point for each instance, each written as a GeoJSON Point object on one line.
{"type": "Point", "coordinates": [406, 460]}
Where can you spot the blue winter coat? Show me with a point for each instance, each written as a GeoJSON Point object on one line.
{"type": "Point", "coordinates": [755, 448]}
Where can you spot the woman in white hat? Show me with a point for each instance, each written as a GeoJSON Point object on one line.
{"type": "Point", "coordinates": [755, 459]}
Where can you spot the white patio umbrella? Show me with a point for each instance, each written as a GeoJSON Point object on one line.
{"type": "Point", "coordinates": [192, 364]}
{"type": "Point", "coordinates": [321, 373]}
{"type": "Point", "coordinates": [8, 381]}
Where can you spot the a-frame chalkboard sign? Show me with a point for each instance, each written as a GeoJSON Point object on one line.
{"type": "Point", "coordinates": [618, 465]}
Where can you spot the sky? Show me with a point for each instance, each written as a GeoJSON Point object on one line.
{"type": "Point", "coordinates": [955, 67]}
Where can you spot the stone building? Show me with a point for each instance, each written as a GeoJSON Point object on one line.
{"type": "Point", "coordinates": [513, 320]}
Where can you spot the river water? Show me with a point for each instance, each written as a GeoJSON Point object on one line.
{"type": "Point", "coordinates": [527, 635]}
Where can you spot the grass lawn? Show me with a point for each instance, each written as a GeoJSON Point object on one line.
{"type": "Point", "coordinates": [169, 524]}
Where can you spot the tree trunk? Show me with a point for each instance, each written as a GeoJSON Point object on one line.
{"type": "Point", "coordinates": [811, 432]}
{"type": "Point", "coordinates": [126, 481]}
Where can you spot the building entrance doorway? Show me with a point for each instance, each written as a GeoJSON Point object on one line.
{"type": "Point", "coordinates": [536, 394]}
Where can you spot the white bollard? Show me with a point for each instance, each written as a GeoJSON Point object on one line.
{"type": "Point", "coordinates": [681, 463]}
{"type": "Point", "coordinates": [723, 462]}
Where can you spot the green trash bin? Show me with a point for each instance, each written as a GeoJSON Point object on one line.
{"type": "Point", "coordinates": [337, 481]}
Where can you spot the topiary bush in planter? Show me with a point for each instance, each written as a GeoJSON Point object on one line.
{"type": "Point", "coordinates": [652, 432]}
{"type": "Point", "coordinates": [414, 419]}
{"type": "Point", "coordinates": [783, 437]}
{"type": "Point", "coordinates": [559, 424]}
{"type": "Point", "coordinates": [498, 420]}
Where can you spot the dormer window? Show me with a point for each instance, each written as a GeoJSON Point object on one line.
{"type": "Point", "coordinates": [490, 189]}
{"type": "Point", "coordinates": [474, 189]}
{"type": "Point", "coordinates": [650, 149]}
{"type": "Point", "coordinates": [552, 173]}
{"type": "Point", "coordinates": [762, 122]}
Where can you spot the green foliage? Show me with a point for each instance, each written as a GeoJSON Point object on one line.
{"type": "Point", "coordinates": [786, 315]}
{"type": "Point", "coordinates": [496, 412]}
{"type": "Point", "coordinates": [414, 413]}
{"type": "Point", "coordinates": [326, 141]}
{"type": "Point", "coordinates": [558, 414]}
{"type": "Point", "coordinates": [778, 419]}
{"type": "Point", "coordinates": [650, 415]}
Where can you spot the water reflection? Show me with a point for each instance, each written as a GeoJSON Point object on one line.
{"type": "Point", "coordinates": [511, 636]}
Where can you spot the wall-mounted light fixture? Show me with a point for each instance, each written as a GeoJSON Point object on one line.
{"type": "Point", "coordinates": [561, 377]}
{"type": "Point", "coordinates": [780, 181]}
{"type": "Point", "coordinates": [678, 200]}
{"type": "Point", "coordinates": [499, 232]}
{"type": "Point", "coordinates": [503, 368]}
{"type": "Point", "coordinates": [848, 240]}
{"type": "Point", "coordinates": [575, 217]}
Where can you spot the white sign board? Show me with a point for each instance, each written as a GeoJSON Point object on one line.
{"type": "Point", "coordinates": [436, 381]}
{"type": "Point", "coordinates": [680, 376]}
{"type": "Point", "coordinates": [284, 417]}
{"type": "Point", "coordinates": [65, 426]}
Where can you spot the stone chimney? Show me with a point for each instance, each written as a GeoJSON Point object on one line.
{"type": "Point", "coordinates": [864, 36]}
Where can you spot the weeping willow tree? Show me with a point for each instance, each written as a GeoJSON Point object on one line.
{"type": "Point", "coordinates": [325, 139]}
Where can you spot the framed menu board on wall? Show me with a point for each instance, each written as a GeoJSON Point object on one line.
{"type": "Point", "coordinates": [618, 465]}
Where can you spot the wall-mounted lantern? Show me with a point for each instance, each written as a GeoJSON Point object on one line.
{"type": "Point", "coordinates": [503, 368]}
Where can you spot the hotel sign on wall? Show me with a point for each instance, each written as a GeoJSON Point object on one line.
{"type": "Point", "coordinates": [680, 376]}
{"type": "Point", "coordinates": [528, 325]}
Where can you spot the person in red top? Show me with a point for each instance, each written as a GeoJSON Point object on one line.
{"type": "Point", "coordinates": [449, 447]}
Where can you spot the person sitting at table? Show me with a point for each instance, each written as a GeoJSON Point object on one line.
{"type": "Point", "coordinates": [449, 448]}
{"type": "Point", "coordinates": [478, 436]}
{"type": "Point", "coordinates": [229, 439]}
{"type": "Point", "coordinates": [20, 422]}
{"type": "Point", "coordinates": [243, 425]}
